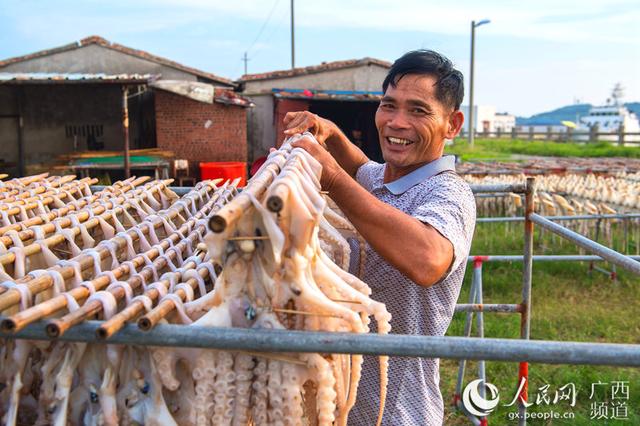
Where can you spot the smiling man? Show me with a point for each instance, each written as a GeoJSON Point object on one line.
{"type": "Point", "coordinates": [416, 214]}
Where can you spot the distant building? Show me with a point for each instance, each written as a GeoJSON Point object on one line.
{"type": "Point", "coordinates": [486, 119]}
{"type": "Point", "coordinates": [504, 122]}
{"type": "Point", "coordinates": [70, 98]}
{"type": "Point", "coordinates": [541, 128]}
{"type": "Point", "coordinates": [346, 92]}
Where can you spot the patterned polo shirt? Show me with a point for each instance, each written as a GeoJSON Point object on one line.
{"type": "Point", "coordinates": [436, 195]}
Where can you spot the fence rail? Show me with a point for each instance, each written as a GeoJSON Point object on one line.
{"type": "Point", "coordinates": [570, 135]}
{"type": "Point", "coordinates": [369, 344]}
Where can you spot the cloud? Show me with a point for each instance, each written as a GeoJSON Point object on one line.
{"type": "Point", "coordinates": [568, 21]}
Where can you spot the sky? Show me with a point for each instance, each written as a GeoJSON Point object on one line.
{"type": "Point", "coordinates": [534, 55]}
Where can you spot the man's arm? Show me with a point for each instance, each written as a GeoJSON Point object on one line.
{"type": "Point", "coordinates": [414, 248]}
{"type": "Point", "coordinates": [349, 156]}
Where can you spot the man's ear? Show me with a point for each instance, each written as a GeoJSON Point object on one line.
{"type": "Point", "coordinates": [456, 119]}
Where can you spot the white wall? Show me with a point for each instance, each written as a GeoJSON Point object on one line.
{"type": "Point", "coordinates": [485, 117]}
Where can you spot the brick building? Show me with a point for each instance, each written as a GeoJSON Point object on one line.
{"type": "Point", "coordinates": [71, 98]}
{"type": "Point", "coordinates": [346, 92]}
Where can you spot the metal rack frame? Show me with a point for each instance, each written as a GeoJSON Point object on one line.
{"type": "Point", "coordinates": [520, 350]}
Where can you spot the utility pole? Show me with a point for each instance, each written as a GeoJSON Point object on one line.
{"type": "Point", "coordinates": [245, 60]}
{"type": "Point", "coordinates": [471, 118]}
{"type": "Point", "coordinates": [473, 48]}
{"type": "Point", "coordinates": [293, 42]}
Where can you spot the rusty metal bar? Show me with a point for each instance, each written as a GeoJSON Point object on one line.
{"type": "Point", "coordinates": [518, 188]}
{"type": "Point", "coordinates": [125, 128]}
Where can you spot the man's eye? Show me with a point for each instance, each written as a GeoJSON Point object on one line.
{"type": "Point", "coordinates": [419, 111]}
{"type": "Point", "coordinates": [387, 106]}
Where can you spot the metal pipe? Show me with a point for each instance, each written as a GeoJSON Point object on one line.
{"type": "Point", "coordinates": [293, 38]}
{"type": "Point", "coordinates": [472, 126]}
{"type": "Point", "coordinates": [577, 217]}
{"type": "Point", "coordinates": [468, 323]}
{"type": "Point", "coordinates": [488, 307]}
{"type": "Point", "coordinates": [477, 271]}
{"type": "Point", "coordinates": [545, 258]}
{"type": "Point", "coordinates": [525, 313]}
{"type": "Point", "coordinates": [266, 340]}
{"type": "Point", "coordinates": [590, 245]}
{"type": "Point", "coordinates": [499, 187]}
{"type": "Point", "coordinates": [125, 128]}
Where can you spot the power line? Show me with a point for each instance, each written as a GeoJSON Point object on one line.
{"type": "Point", "coordinates": [272, 33]}
{"type": "Point", "coordinates": [264, 25]}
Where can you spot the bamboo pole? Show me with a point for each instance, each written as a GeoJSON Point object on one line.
{"type": "Point", "coordinates": [23, 181]}
{"type": "Point", "coordinates": [42, 191]}
{"type": "Point", "coordinates": [46, 184]}
{"type": "Point", "coordinates": [231, 212]}
{"type": "Point", "coordinates": [11, 297]}
{"type": "Point", "coordinates": [103, 209]}
{"type": "Point", "coordinates": [38, 220]}
{"type": "Point", "coordinates": [113, 325]}
{"type": "Point", "coordinates": [57, 327]}
{"type": "Point", "coordinates": [31, 203]}
{"type": "Point", "coordinates": [106, 213]}
{"type": "Point", "coordinates": [280, 191]}
{"type": "Point", "coordinates": [164, 308]}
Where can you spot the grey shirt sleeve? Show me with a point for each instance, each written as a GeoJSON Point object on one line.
{"type": "Point", "coordinates": [450, 208]}
{"type": "Point", "coordinates": [366, 174]}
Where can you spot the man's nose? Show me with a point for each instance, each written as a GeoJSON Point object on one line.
{"type": "Point", "coordinates": [398, 120]}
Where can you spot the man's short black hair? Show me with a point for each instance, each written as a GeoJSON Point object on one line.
{"type": "Point", "coordinates": [449, 84]}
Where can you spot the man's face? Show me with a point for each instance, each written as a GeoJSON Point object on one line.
{"type": "Point", "coordinates": [412, 124]}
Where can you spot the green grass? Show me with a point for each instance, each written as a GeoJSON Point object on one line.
{"type": "Point", "coordinates": [504, 149]}
{"type": "Point", "coordinates": [568, 304]}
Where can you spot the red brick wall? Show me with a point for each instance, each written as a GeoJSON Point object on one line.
{"type": "Point", "coordinates": [181, 128]}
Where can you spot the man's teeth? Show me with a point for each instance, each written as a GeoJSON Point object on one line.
{"type": "Point", "coordinates": [399, 141]}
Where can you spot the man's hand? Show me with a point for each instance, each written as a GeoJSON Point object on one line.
{"type": "Point", "coordinates": [331, 170]}
{"type": "Point", "coordinates": [301, 121]}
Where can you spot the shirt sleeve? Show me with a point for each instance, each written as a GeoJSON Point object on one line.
{"type": "Point", "coordinates": [450, 208]}
{"type": "Point", "coordinates": [365, 174]}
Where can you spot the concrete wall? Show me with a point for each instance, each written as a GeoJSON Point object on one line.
{"type": "Point", "coordinates": [263, 126]}
{"type": "Point", "coordinates": [96, 59]}
{"type": "Point", "coordinates": [261, 131]}
{"type": "Point", "coordinates": [198, 131]}
{"type": "Point", "coordinates": [366, 78]}
{"type": "Point", "coordinates": [483, 115]}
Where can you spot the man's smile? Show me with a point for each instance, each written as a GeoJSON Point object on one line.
{"type": "Point", "coordinates": [398, 141]}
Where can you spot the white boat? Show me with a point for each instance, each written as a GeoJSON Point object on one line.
{"type": "Point", "coordinates": [608, 119]}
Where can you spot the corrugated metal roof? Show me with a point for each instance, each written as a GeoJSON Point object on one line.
{"type": "Point", "coordinates": [97, 40]}
{"type": "Point", "coordinates": [38, 77]}
{"type": "Point", "coordinates": [325, 66]}
{"type": "Point", "coordinates": [203, 92]}
{"type": "Point", "coordinates": [319, 95]}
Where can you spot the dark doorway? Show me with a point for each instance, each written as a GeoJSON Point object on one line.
{"type": "Point", "coordinates": [356, 120]}
{"type": "Point", "coordinates": [9, 145]}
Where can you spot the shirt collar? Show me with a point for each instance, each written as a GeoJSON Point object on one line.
{"type": "Point", "coordinates": [442, 164]}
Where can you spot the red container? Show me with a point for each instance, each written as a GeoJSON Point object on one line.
{"type": "Point", "coordinates": [226, 170]}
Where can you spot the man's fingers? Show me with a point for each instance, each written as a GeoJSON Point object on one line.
{"type": "Point", "coordinates": [293, 119]}
{"type": "Point", "coordinates": [290, 116]}
{"type": "Point", "coordinates": [300, 127]}
{"type": "Point", "coordinates": [303, 143]}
